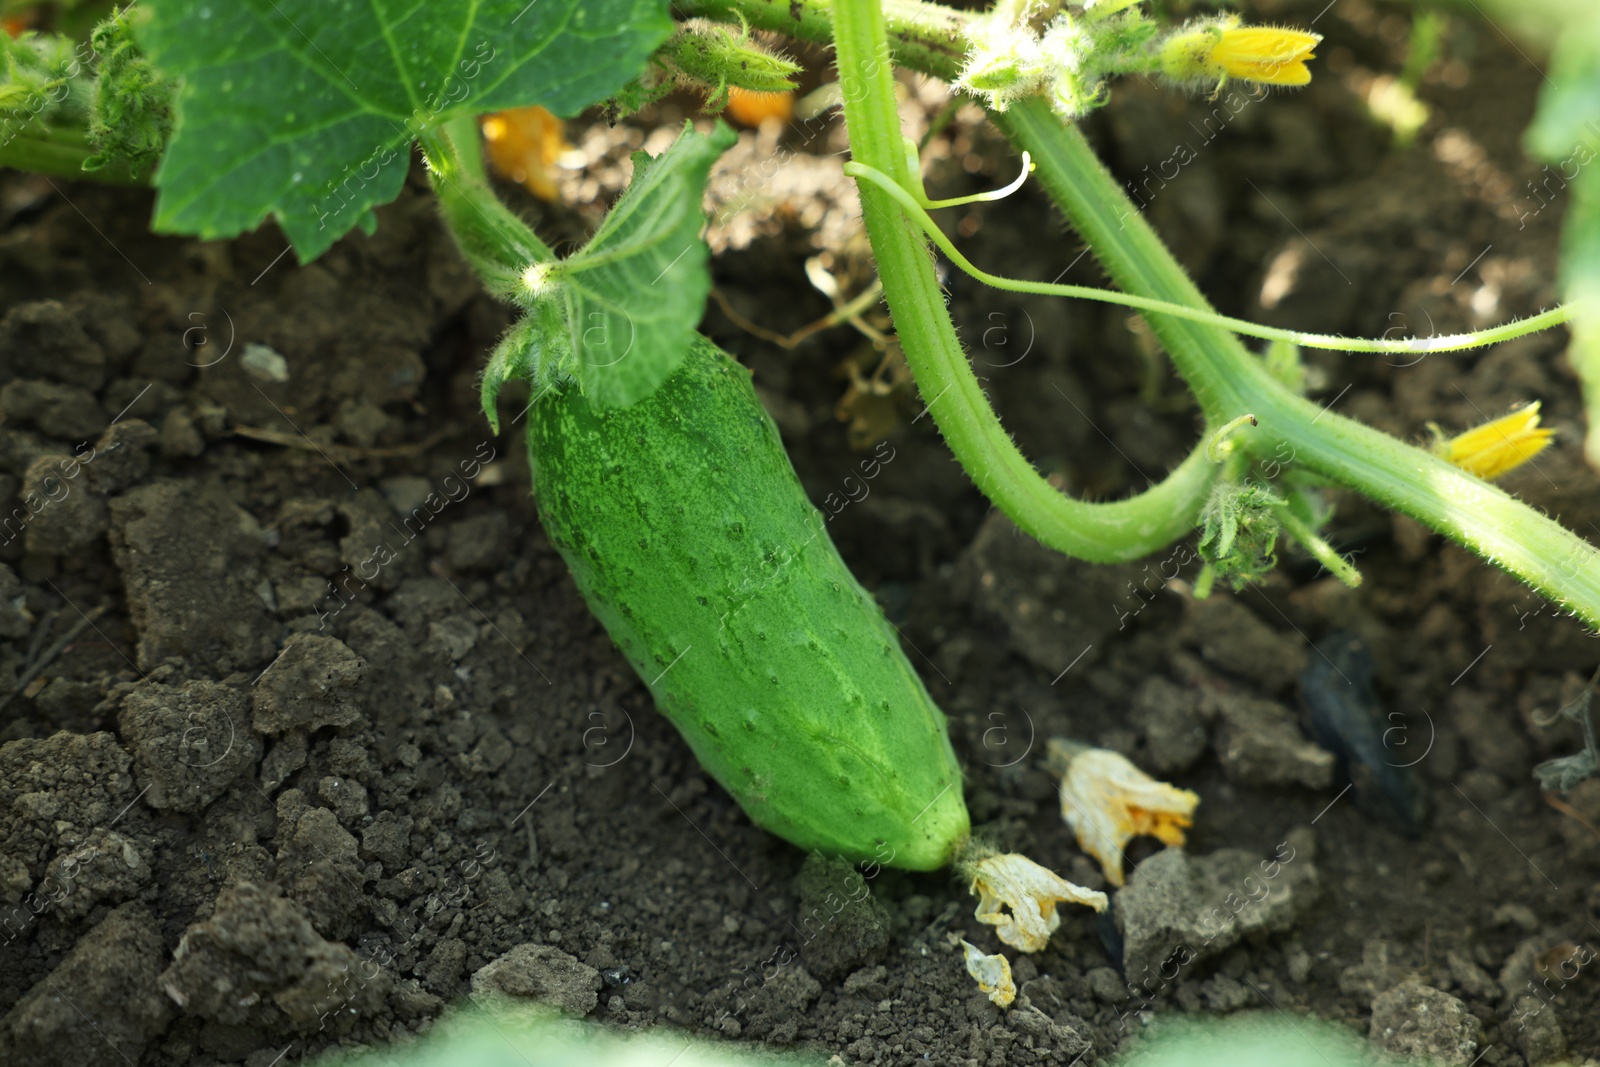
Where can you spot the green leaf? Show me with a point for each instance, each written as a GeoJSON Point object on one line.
{"type": "Point", "coordinates": [305, 110]}
{"type": "Point", "coordinates": [635, 293]}
{"type": "Point", "coordinates": [521, 356]}
{"type": "Point", "coordinates": [1566, 133]}
{"type": "Point", "coordinates": [1568, 119]}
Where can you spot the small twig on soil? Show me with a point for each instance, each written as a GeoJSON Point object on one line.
{"type": "Point", "coordinates": [41, 634]}
{"type": "Point", "coordinates": [850, 312]}
{"type": "Point", "coordinates": [1567, 809]}
{"type": "Point", "coordinates": [43, 661]}
{"type": "Point", "coordinates": [346, 452]}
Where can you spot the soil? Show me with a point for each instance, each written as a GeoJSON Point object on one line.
{"type": "Point", "coordinates": [259, 796]}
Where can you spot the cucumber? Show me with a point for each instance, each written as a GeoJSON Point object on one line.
{"type": "Point", "coordinates": [693, 542]}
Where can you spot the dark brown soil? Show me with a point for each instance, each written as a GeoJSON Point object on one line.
{"type": "Point", "coordinates": [246, 814]}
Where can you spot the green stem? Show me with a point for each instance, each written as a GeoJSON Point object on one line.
{"type": "Point", "coordinates": [916, 207]}
{"type": "Point", "coordinates": [1104, 532]}
{"type": "Point", "coordinates": [1320, 550]}
{"type": "Point", "coordinates": [468, 140]}
{"type": "Point", "coordinates": [1228, 381]}
{"type": "Point", "coordinates": [62, 157]}
{"type": "Point", "coordinates": [499, 245]}
{"type": "Point", "coordinates": [926, 37]}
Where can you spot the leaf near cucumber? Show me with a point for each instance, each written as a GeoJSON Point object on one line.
{"type": "Point", "coordinates": [617, 316]}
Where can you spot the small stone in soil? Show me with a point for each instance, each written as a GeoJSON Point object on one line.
{"type": "Point", "coordinates": [1173, 725]}
{"type": "Point", "coordinates": [310, 685]}
{"type": "Point", "coordinates": [1537, 1032]}
{"type": "Point", "coordinates": [1178, 909]}
{"type": "Point", "coordinates": [1232, 637]}
{"type": "Point", "coordinates": [108, 977]}
{"type": "Point", "coordinates": [189, 741]}
{"type": "Point", "coordinates": [845, 927]}
{"type": "Point", "coordinates": [1260, 744]}
{"type": "Point", "coordinates": [1416, 1020]}
{"type": "Point", "coordinates": [540, 973]}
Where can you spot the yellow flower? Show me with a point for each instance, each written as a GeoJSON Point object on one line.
{"type": "Point", "coordinates": [523, 144]}
{"type": "Point", "coordinates": [1266, 54]}
{"type": "Point", "coordinates": [1495, 447]}
{"type": "Point", "coordinates": [993, 974]}
{"type": "Point", "coordinates": [1224, 49]}
{"type": "Point", "coordinates": [1107, 802]}
{"type": "Point", "coordinates": [1018, 897]}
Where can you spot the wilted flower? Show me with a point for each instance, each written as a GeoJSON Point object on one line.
{"type": "Point", "coordinates": [1107, 802]}
{"type": "Point", "coordinates": [1496, 447]}
{"type": "Point", "coordinates": [993, 974]}
{"type": "Point", "coordinates": [1221, 50]}
{"type": "Point", "coordinates": [1018, 897]}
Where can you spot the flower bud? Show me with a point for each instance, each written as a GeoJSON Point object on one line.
{"type": "Point", "coordinates": [717, 57]}
{"type": "Point", "coordinates": [1217, 51]}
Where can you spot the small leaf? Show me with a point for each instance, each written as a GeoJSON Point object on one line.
{"type": "Point", "coordinates": [635, 293]}
{"type": "Point", "coordinates": [510, 361]}
{"type": "Point", "coordinates": [534, 341]}
{"type": "Point", "coordinates": [305, 111]}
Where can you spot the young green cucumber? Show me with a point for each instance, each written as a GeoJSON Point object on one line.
{"type": "Point", "coordinates": [694, 544]}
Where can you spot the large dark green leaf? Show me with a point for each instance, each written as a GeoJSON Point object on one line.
{"type": "Point", "coordinates": [305, 109]}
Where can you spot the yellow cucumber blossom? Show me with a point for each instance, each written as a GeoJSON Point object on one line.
{"type": "Point", "coordinates": [1211, 53]}
{"type": "Point", "coordinates": [993, 974]}
{"type": "Point", "coordinates": [1018, 898]}
{"type": "Point", "coordinates": [1495, 447]}
{"type": "Point", "coordinates": [1107, 802]}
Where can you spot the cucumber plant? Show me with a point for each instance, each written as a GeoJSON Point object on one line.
{"type": "Point", "coordinates": [657, 473]}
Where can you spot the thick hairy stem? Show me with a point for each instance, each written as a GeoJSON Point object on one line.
{"type": "Point", "coordinates": [498, 244]}
{"type": "Point", "coordinates": [61, 153]}
{"type": "Point", "coordinates": [1226, 379]}
{"type": "Point", "coordinates": [924, 37]}
{"type": "Point", "coordinates": [1106, 532]}
{"type": "Point", "coordinates": [1229, 381]}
